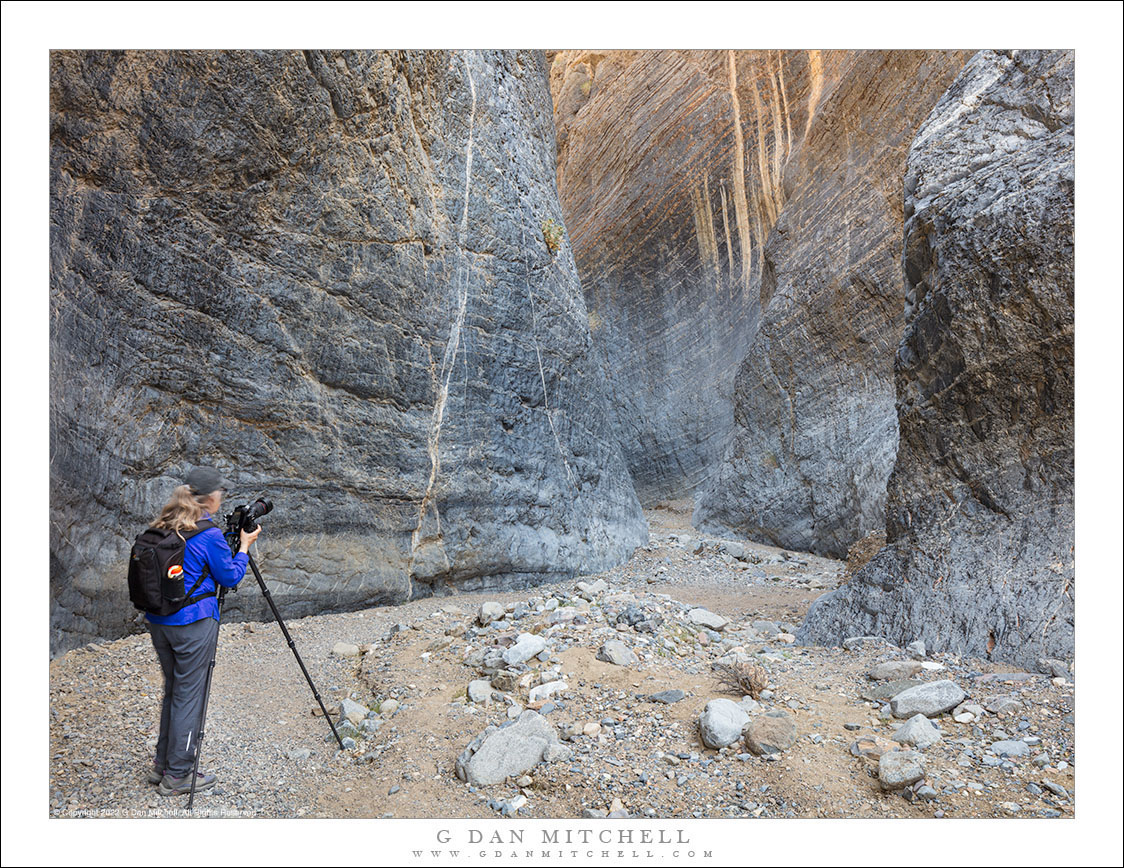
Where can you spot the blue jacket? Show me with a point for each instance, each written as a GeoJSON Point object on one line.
{"type": "Point", "coordinates": [208, 547]}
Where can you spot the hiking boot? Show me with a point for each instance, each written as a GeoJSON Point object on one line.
{"type": "Point", "coordinates": [155, 775]}
{"type": "Point", "coordinates": [170, 786]}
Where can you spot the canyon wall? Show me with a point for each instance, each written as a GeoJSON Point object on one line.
{"type": "Point", "coordinates": [670, 175]}
{"type": "Point", "coordinates": [336, 276]}
{"type": "Point", "coordinates": [736, 218]}
{"type": "Point", "coordinates": [980, 517]}
{"type": "Point", "coordinates": [815, 431]}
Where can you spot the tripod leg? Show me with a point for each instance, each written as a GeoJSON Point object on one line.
{"type": "Point", "coordinates": [292, 646]}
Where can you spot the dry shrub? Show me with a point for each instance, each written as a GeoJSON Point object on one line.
{"type": "Point", "coordinates": [743, 679]}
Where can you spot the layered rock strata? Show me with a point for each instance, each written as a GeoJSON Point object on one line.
{"type": "Point", "coordinates": [815, 430]}
{"type": "Point", "coordinates": [981, 514]}
{"type": "Point", "coordinates": [736, 218]}
{"type": "Point", "coordinates": [339, 277]}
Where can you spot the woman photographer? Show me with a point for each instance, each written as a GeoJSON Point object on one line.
{"type": "Point", "coordinates": [185, 641]}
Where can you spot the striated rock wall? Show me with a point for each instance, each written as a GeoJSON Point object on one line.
{"type": "Point", "coordinates": [325, 273]}
{"type": "Point", "coordinates": [980, 517]}
{"type": "Point", "coordinates": [670, 172]}
{"type": "Point", "coordinates": [815, 431]}
{"type": "Point", "coordinates": [736, 217]}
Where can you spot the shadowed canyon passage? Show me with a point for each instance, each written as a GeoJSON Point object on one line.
{"type": "Point", "coordinates": [334, 276]}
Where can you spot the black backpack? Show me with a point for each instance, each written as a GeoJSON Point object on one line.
{"type": "Point", "coordinates": [156, 580]}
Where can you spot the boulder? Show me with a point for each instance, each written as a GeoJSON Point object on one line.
{"type": "Point", "coordinates": [895, 670]}
{"type": "Point", "coordinates": [480, 691]}
{"type": "Point", "coordinates": [931, 699]}
{"type": "Point", "coordinates": [489, 612]}
{"type": "Point", "coordinates": [528, 645]}
{"type": "Point", "coordinates": [353, 711]}
{"type": "Point", "coordinates": [918, 731]}
{"type": "Point", "coordinates": [706, 618]}
{"type": "Point", "coordinates": [512, 749]}
{"type": "Point", "coordinates": [769, 733]}
{"type": "Point", "coordinates": [616, 652]}
{"type": "Point", "coordinates": [721, 723]}
{"type": "Point", "coordinates": [898, 769]}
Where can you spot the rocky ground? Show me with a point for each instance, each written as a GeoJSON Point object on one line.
{"type": "Point", "coordinates": [593, 697]}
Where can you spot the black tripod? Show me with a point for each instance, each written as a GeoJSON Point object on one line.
{"type": "Point", "coordinates": [232, 537]}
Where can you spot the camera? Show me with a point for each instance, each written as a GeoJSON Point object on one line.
{"type": "Point", "coordinates": [246, 517]}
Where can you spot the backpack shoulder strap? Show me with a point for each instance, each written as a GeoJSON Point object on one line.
{"type": "Point", "coordinates": [200, 526]}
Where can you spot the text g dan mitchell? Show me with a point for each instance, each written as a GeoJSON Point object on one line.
{"type": "Point", "coordinates": [566, 836]}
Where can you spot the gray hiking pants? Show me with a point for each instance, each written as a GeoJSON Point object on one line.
{"type": "Point", "coordinates": [185, 655]}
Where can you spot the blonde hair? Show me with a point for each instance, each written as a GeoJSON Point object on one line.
{"type": "Point", "coordinates": [182, 510]}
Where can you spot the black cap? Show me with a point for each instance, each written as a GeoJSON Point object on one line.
{"type": "Point", "coordinates": [204, 480]}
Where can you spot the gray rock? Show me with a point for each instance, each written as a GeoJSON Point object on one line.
{"type": "Point", "coordinates": [1056, 789]}
{"type": "Point", "coordinates": [489, 612]}
{"type": "Point", "coordinates": [706, 618]}
{"type": "Point", "coordinates": [353, 711]}
{"type": "Point", "coordinates": [528, 645]}
{"type": "Point", "coordinates": [930, 699]}
{"type": "Point", "coordinates": [770, 733]}
{"type": "Point", "coordinates": [668, 696]}
{"type": "Point", "coordinates": [505, 680]}
{"type": "Point", "coordinates": [980, 509]}
{"type": "Point", "coordinates": [480, 691]}
{"type": "Point", "coordinates": [885, 691]}
{"type": "Point", "coordinates": [1003, 705]}
{"type": "Point", "coordinates": [895, 670]}
{"type": "Point", "coordinates": [1014, 677]}
{"type": "Point", "coordinates": [345, 649]}
{"type": "Point", "coordinates": [512, 749]}
{"type": "Point", "coordinates": [557, 753]}
{"type": "Point", "coordinates": [768, 629]}
{"type": "Point", "coordinates": [900, 768]}
{"type": "Point", "coordinates": [510, 807]}
{"type": "Point", "coordinates": [733, 549]}
{"type": "Point", "coordinates": [918, 732]}
{"type": "Point", "coordinates": [721, 723]}
{"type": "Point", "coordinates": [492, 660]}
{"type": "Point", "coordinates": [1053, 668]}
{"type": "Point", "coordinates": [1011, 747]}
{"type": "Point", "coordinates": [323, 294]}
{"type": "Point", "coordinates": [617, 653]}
{"type": "Point", "coordinates": [967, 712]}
{"type": "Point", "coordinates": [547, 690]}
